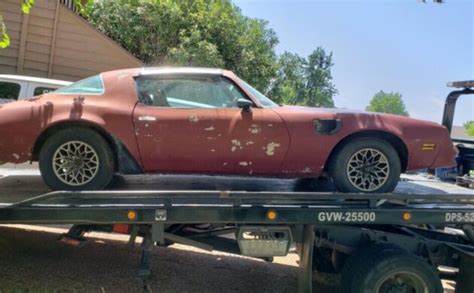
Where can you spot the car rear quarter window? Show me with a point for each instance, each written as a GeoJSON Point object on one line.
{"type": "Point", "coordinates": [90, 86]}
{"type": "Point", "coordinates": [40, 90]}
{"type": "Point", "coordinates": [198, 92]}
{"type": "Point", "coordinates": [9, 90]}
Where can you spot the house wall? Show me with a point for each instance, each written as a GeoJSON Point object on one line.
{"type": "Point", "coordinates": [53, 41]}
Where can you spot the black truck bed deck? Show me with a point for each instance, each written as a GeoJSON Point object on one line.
{"type": "Point", "coordinates": [219, 200]}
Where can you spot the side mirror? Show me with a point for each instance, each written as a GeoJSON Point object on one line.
{"type": "Point", "coordinates": [245, 105]}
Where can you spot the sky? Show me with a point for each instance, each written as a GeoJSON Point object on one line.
{"type": "Point", "coordinates": [403, 46]}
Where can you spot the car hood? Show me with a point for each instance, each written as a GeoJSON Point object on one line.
{"type": "Point", "coordinates": [301, 112]}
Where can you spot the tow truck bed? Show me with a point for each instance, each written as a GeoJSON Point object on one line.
{"type": "Point", "coordinates": [318, 221]}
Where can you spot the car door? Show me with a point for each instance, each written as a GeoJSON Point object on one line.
{"type": "Point", "coordinates": [191, 124]}
{"type": "Point", "coordinates": [257, 140]}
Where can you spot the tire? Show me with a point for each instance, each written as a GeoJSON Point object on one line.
{"type": "Point", "coordinates": [382, 173]}
{"type": "Point", "coordinates": [373, 270]}
{"type": "Point", "coordinates": [91, 167]}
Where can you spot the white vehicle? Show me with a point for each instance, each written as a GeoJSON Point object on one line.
{"type": "Point", "coordinates": [18, 87]}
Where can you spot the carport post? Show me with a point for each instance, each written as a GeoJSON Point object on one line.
{"type": "Point", "coordinates": [305, 273]}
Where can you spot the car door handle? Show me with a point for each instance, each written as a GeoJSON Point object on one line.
{"type": "Point", "coordinates": [147, 118]}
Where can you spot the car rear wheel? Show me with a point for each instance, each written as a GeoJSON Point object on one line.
{"type": "Point", "coordinates": [76, 159]}
{"type": "Point", "coordinates": [365, 165]}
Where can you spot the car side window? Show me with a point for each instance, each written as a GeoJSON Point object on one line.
{"type": "Point", "coordinates": [90, 86]}
{"type": "Point", "coordinates": [9, 90]}
{"type": "Point", "coordinates": [40, 90]}
{"type": "Point", "coordinates": [205, 92]}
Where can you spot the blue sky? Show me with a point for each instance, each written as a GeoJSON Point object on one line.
{"type": "Point", "coordinates": [390, 45]}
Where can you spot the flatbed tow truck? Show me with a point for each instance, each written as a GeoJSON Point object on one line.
{"type": "Point", "coordinates": [397, 242]}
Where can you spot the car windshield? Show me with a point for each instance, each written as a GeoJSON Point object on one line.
{"type": "Point", "coordinates": [266, 102]}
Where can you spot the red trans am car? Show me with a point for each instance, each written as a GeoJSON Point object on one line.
{"type": "Point", "coordinates": [208, 121]}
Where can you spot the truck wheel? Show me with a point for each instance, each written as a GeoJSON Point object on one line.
{"type": "Point", "coordinates": [386, 268]}
{"type": "Point", "coordinates": [366, 164]}
{"type": "Point", "coordinates": [76, 159]}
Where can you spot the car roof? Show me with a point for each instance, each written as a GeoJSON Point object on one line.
{"type": "Point", "coordinates": [180, 70]}
{"type": "Point", "coordinates": [34, 79]}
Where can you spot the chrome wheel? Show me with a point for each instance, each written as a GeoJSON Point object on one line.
{"type": "Point", "coordinates": [403, 282]}
{"type": "Point", "coordinates": [75, 163]}
{"type": "Point", "coordinates": [368, 169]}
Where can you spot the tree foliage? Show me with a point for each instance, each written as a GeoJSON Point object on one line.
{"type": "Point", "coordinates": [191, 32]}
{"type": "Point", "coordinates": [391, 103]}
{"type": "Point", "coordinates": [4, 37]}
{"type": "Point", "coordinates": [304, 81]}
{"type": "Point", "coordinates": [469, 125]}
{"type": "Point", "coordinates": [210, 33]}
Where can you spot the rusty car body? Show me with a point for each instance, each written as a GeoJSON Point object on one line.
{"type": "Point", "coordinates": [141, 121]}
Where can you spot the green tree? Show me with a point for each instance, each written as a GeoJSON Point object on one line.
{"type": "Point", "coordinates": [304, 81]}
{"type": "Point", "coordinates": [191, 32]}
{"type": "Point", "coordinates": [387, 103]}
{"type": "Point", "coordinates": [469, 125]}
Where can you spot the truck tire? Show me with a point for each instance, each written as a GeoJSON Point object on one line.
{"type": "Point", "coordinates": [382, 268]}
{"type": "Point", "coordinates": [366, 164]}
{"type": "Point", "coordinates": [76, 158]}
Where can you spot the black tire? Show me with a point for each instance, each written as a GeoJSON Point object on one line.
{"type": "Point", "coordinates": [369, 270]}
{"type": "Point", "coordinates": [338, 164]}
{"type": "Point", "coordinates": [104, 171]}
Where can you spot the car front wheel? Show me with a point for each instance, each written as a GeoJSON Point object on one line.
{"type": "Point", "coordinates": [76, 159]}
{"type": "Point", "coordinates": [365, 165]}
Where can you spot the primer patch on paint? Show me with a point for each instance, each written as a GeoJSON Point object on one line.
{"type": "Point", "coordinates": [255, 129]}
{"type": "Point", "coordinates": [209, 128]}
{"type": "Point", "coordinates": [236, 145]}
{"type": "Point", "coordinates": [244, 163]}
{"type": "Point", "coordinates": [307, 170]}
{"type": "Point", "coordinates": [16, 156]}
{"type": "Point", "coordinates": [249, 142]}
{"type": "Point", "coordinates": [270, 148]}
{"type": "Point", "coordinates": [212, 150]}
{"type": "Point", "coordinates": [193, 118]}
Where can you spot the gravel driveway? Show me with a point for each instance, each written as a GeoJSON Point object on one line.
{"type": "Point", "coordinates": [33, 260]}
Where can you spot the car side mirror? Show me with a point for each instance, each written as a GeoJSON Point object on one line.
{"type": "Point", "coordinates": [245, 105]}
